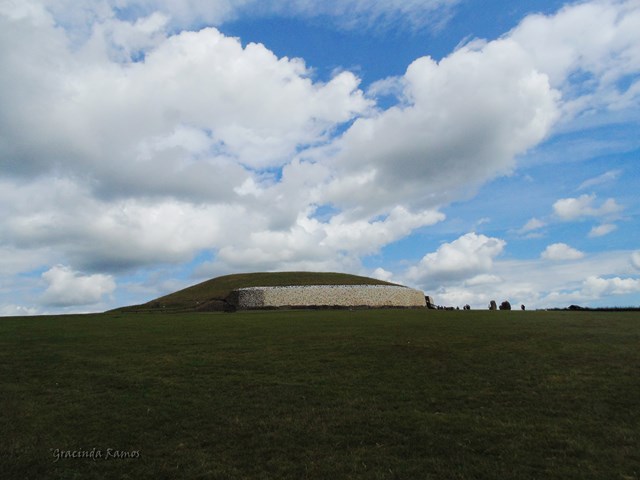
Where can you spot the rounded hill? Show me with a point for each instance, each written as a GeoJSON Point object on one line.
{"type": "Point", "coordinates": [214, 294]}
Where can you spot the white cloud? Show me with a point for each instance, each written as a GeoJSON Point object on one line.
{"type": "Point", "coordinates": [483, 279]}
{"type": "Point", "coordinates": [569, 209]}
{"type": "Point", "coordinates": [602, 230]}
{"type": "Point", "coordinates": [531, 225]}
{"type": "Point", "coordinates": [109, 235]}
{"type": "Point", "coordinates": [382, 274]}
{"type": "Point", "coordinates": [80, 15]}
{"type": "Point", "coordinates": [598, 287]}
{"type": "Point", "coordinates": [69, 288]}
{"type": "Point", "coordinates": [124, 144]}
{"type": "Point", "coordinates": [593, 289]}
{"type": "Point", "coordinates": [463, 121]}
{"type": "Point", "coordinates": [345, 13]}
{"type": "Point", "coordinates": [585, 49]}
{"type": "Point", "coordinates": [543, 284]}
{"type": "Point", "coordinates": [17, 311]}
{"type": "Point", "coordinates": [561, 251]}
{"type": "Point", "coordinates": [464, 258]}
{"type": "Point", "coordinates": [321, 245]}
{"type": "Point", "coordinates": [635, 259]}
{"type": "Point", "coordinates": [15, 259]}
{"type": "Point", "coordinates": [606, 177]}
{"type": "Point", "coordinates": [480, 297]}
{"type": "Point", "coordinates": [240, 106]}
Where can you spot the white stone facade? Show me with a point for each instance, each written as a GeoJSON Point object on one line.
{"type": "Point", "coordinates": [309, 296]}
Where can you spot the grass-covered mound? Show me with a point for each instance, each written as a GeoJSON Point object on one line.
{"type": "Point", "coordinates": [212, 295]}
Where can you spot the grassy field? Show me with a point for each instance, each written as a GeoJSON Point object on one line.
{"type": "Point", "coordinates": [388, 394]}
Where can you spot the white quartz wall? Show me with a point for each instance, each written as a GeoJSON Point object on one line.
{"type": "Point", "coordinates": [330, 296]}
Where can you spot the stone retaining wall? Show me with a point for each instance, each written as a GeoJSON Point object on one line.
{"type": "Point", "coordinates": [311, 296]}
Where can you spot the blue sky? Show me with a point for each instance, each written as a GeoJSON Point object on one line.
{"type": "Point", "coordinates": [475, 150]}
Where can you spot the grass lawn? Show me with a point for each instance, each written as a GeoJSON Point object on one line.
{"type": "Point", "coordinates": [372, 394]}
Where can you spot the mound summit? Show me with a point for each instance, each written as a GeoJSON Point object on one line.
{"type": "Point", "coordinates": [305, 290]}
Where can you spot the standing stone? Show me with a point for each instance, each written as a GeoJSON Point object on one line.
{"type": "Point", "coordinates": [429, 301]}
{"type": "Point", "coordinates": [505, 305]}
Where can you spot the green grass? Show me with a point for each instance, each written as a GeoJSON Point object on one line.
{"type": "Point", "coordinates": [212, 294]}
{"type": "Point", "coordinates": [371, 394]}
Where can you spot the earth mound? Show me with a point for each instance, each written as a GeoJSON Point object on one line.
{"type": "Point", "coordinates": [216, 294]}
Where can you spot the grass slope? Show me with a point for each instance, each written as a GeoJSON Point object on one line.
{"type": "Point", "coordinates": [373, 394]}
{"type": "Point", "coordinates": [211, 295]}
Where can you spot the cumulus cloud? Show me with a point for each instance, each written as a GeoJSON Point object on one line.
{"type": "Point", "coordinates": [542, 284]}
{"type": "Point", "coordinates": [561, 251]}
{"type": "Point", "coordinates": [594, 288]}
{"type": "Point", "coordinates": [107, 235]}
{"type": "Point", "coordinates": [128, 142]}
{"type": "Point", "coordinates": [321, 245]}
{"type": "Point", "coordinates": [199, 105]}
{"type": "Point", "coordinates": [598, 287]}
{"type": "Point", "coordinates": [585, 49]}
{"type": "Point", "coordinates": [569, 209]}
{"type": "Point", "coordinates": [67, 287]}
{"type": "Point", "coordinates": [382, 274]}
{"type": "Point", "coordinates": [462, 121]}
{"type": "Point", "coordinates": [466, 257]}
{"type": "Point", "coordinates": [17, 311]}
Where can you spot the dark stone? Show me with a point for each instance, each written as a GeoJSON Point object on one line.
{"type": "Point", "coordinates": [429, 302]}
{"type": "Point", "coordinates": [505, 305]}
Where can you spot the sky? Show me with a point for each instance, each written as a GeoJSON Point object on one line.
{"type": "Point", "coordinates": [475, 150]}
